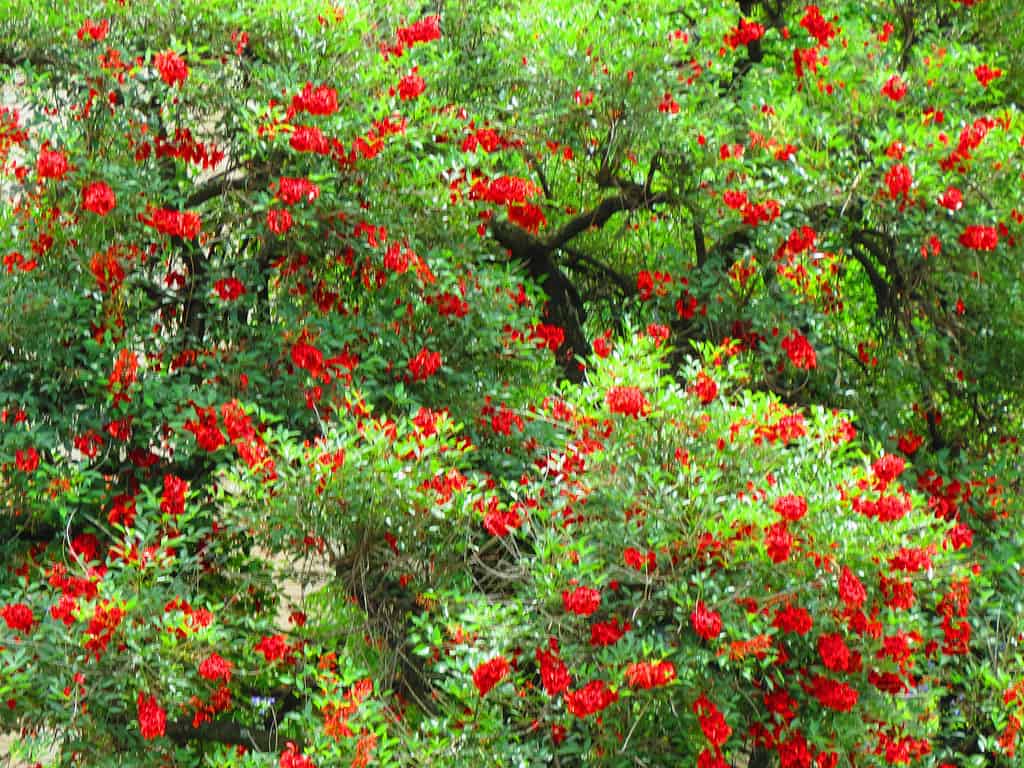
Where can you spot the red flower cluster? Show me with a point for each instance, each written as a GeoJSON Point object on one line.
{"type": "Point", "coordinates": [834, 652]}
{"type": "Point", "coordinates": [582, 601]}
{"type": "Point", "coordinates": [208, 435]}
{"type": "Point", "coordinates": [648, 674]}
{"type": "Point", "coordinates": [279, 221]}
{"type": "Point", "coordinates": [628, 401]}
{"type": "Point", "coordinates": [605, 633]}
{"type": "Point", "coordinates": [214, 668]}
{"type": "Point", "coordinates": [834, 695]}
{"type": "Point", "coordinates": [152, 717]}
{"type": "Point", "coordinates": [705, 388]}
{"type": "Point", "coordinates": [553, 672]}
{"type": "Point", "coordinates": [183, 224]}
{"type": "Point", "coordinates": [18, 617]}
{"type": "Point", "coordinates": [322, 100]}
{"type": "Point", "coordinates": [96, 31]}
{"type": "Point", "coordinates": [306, 138]}
{"type": "Point", "coordinates": [793, 619]}
{"type": "Point", "coordinates": [26, 460]}
{"type": "Point", "coordinates": [272, 647]}
{"type": "Point", "coordinates": [712, 722]}
{"type": "Point", "coordinates": [293, 758]}
{"type": "Point", "coordinates": [894, 88]}
{"type": "Point", "coordinates": [425, 30]}
{"type": "Point", "coordinates": [800, 352]}
{"type": "Point", "coordinates": [817, 26]}
{"type": "Point", "coordinates": [899, 181]}
{"type": "Point", "coordinates": [229, 288]}
{"type": "Point", "coordinates": [424, 364]}
{"type": "Point", "coordinates": [99, 198]}
{"type": "Point", "coordinates": [590, 699]}
{"type": "Point", "coordinates": [851, 591]}
{"type": "Point", "coordinates": [745, 33]}
{"type": "Point", "coordinates": [778, 542]}
{"type": "Point", "coordinates": [173, 69]}
{"type": "Point", "coordinates": [51, 165]}
{"type": "Point", "coordinates": [980, 238]}
{"type": "Point", "coordinates": [173, 500]}
{"type": "Point", "coordinates": [705, 622]}
{"type": "Point", "coordinates": [790, 507]}
{"type": "Point", "coordinates": [489, 673]}
{"type": "Point", "coordinates": [987, 74]}
{"type": "Point", "coordinates": [411, 86]}
{"type": "Point", "coordinates": [291, 190]}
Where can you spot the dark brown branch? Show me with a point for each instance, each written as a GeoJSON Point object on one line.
{"type": "Point", "coordinates": [578, 257]}
{"type": "Point", "coordinates": [224, 731]}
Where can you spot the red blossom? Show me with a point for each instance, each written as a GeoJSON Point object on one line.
{"type": "Point", "coordinates": [95, 31]}
{"type": "Point", "coordinates": [424, 364]}
{"type": "Point", "coordinates": [18, 617]}
{"type": "Point", "coordinates": [582, 601]}
{"type": "Point", "coordinates": [790, 507]}
{"type": "Point", "coordinates": [411, 86]}
{"type": "Point", "coordinates": [628, 401]}
{"type": "Point", "coordinates": [272, 647]}
{"type": "Point", "coordinates": [489, 673]}
{"type": "Point", "coordinates": [229, 288]}
{"type": "Point", "coordinates": [99, 198]}
{"type": "Point", "coordinates": [214, 668]}
{"type": "Point", "coordinates": [553, 672]}
{"type": "Point", "coordinates": [152, 717]}
{"type": "Point", "coordinates": [296, 190]}
{"type": "Point", "coordinates": [51, 164]}
{"type": "Point", "coordinates": [27, 460]}
{"type": "Point", "coordinates": [279, 220]}
{"type": "Point", "coordinates": [590, 699]}
{"type": "Point", "coordinates": [800, 352]}
{"type": "Point", "coordinates": [705, 622]}
{"type": "Point", "coordinates": [987, 74]}
{"type": "Point", "coordinates": [321, 100]}
{"type": "Point", "coordinates": [793, 619]}
{"type": "Point", "coordinates": [423, 31]}
{"type": "Point", "coordinates": [980, 238]}
{"type": "Point", "coordinates": [307, 138]}
{"type": "Point", "coordinates": [851, 591]}
{"type": "Point", "coordinates": [173, 69]}
{"type": "Point", "coordinates": [834, 652]}
{"type": "Point", "coordinates": [894, 88]}
{"type": "Point", "coordinates": [648, 674]}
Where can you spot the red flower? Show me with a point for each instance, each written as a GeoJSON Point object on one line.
{"type": "Point", "coordinates": [423, 31]}
{"type": "Point", "coordinates": [172, 67]}
{"type": "Point", "coordinates": [590, 699]}
{"type": "Point", "coordinates": [888, 467]}
{"type": "Point", "coordinates": [794, 620]}
{"type": "Point", "coordinates": [712, 722]}
{"type": "Point", "coordinates": [322, 100]}
{"type": "Point", "coordinates": [800, 352]}
{"type": "Point", "coordinates": [215, 668]}
{"type": "Point", "coordinates": [184, 224]}
{"type": "Point", "coordinates": [553, 672]}
{"type": "Point", "coordinates": [778, 542]}
{"type": "Point", "coordinates": [489, 673]}
{"type": "Point", "coordinates": [987, 74]}
{"type": "Point", "coordinates": [894, 88]}
{"type": "Point", "coordinates": [291, 191]}
{"type": "Point", "coordinates": [648, 674]}
{"type": "Point", "coordinates": [980, 238]}
{"type": "Point", "coordinates": [207, 435]}
{"type": "Point", "coordinates": [527, 215]}
{"type": "Point", "coordinates": [272, 647]}
{"type": "Point", "coordinates": [629, 401]}
{"type": "Point", "coordinates": [279, 221]}
{"type": "Point", "coordinates": [152, 718]}
{"type": "Point", "coordinates": [816, 25]}
{"type": "Point", "coordinates": [229, 288]}
{"type": "Point", "coordinates": [27, 460]}
{"type": "Point", "coordinates": [834, 695]}
{"type": "Point", "coordinates": [18, 617]}
{"type": "Point", "coordinates": [424, 364]}
{"type": "Point", "coordinates": [582, 601]}
{"type": "Point", "coordinates": [952, 199]}
{"type": "Point", "coordinates": [308, 358]}
{"type": "Point", "coordinates": [899, 181]}
{"type": "Point", "coordinates": [705, 622]}
{"type": "Point", "coordinates": [306, 138]}
{"type": "Point", "coordinates": [292, 758]}
{"type": "Point", "coordinates": [173, 501]}
{"type": "Point", "coordinates": [705, 388]}
{"type": "Point", "coordinates": [745, 33]}
{"type": "Point", "coordinates": [791, 507]}
{"type": "Point", "coordinates": [51, 165]}
{"type": "Point", "coordinates": [638, 561]}
{"type": "Point", "coordinates": [99, 198]}
{"type": "Point", "coordinates": [851, 591]}
{"type": "Point", "coordinates": [96, 31]}
{"type": "Point", "coordinates": [501, 522]}
{"type": "Point", "coordinates": [834, 652]}
{"type": "Point", "coordinates": [603, 634]}
{"type": "Point", "coordinates": [411, 86]}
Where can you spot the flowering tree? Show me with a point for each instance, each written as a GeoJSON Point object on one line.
{"type": "Point", "coordinates": [520, 383]}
